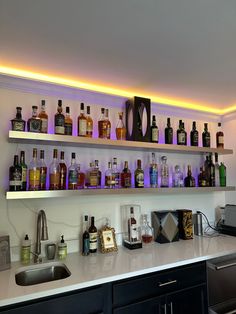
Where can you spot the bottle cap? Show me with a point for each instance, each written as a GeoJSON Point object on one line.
{"type": "Point", "coordinates": [26, 237]}
{"type": "Point", "coordinates": [62, 239]}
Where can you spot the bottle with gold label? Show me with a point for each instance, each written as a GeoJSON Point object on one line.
{"type": "Point", "coordinates": [43, 117]}
{"type": "Point", "coordinates": [89, 129]}
{"type": "Point", "coordinates": [68, 122]}
{"type": "Point", "coordinates": [34, 172]}
{"type": "Point", "coordinates": [54, 172]}
{"type": "Point", "coordinates": [82, 122]}
{"type": "Point", "coordinates": [120, 128]}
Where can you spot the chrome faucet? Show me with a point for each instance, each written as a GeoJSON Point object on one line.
{"type": "Point", "coordinates": [42, 234]}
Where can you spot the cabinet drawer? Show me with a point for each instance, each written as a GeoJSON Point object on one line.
{"type": "Point", "coordinates": [158, 283]}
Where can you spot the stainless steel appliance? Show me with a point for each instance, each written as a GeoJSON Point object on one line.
{"type": "Point", "coordinates": [221, 275]}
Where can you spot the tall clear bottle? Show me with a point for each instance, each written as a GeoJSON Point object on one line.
{"type": "Point", "coordinates": [164, 172]}
{"type": "Point", "coordinates": [34, 172]}
{"type": "Point", "coordinates": [109, 177]}
{"type": "Point", "coordinates": [62, 172]}
{"type": "Point", "coordinates": [54, 176]}
{"type": "Point", "coordinates": [217, 171]}
{"type": "Point", "coordinates": [108, 124]}
{"type": "Point", "coordinates": [120, 128]}
{"type": "Point", "coordinates": [43, 171]}
{"type": "Point", "coordinates": [24, 171]}
{"type": "Point", "coordinates": [68, 122]}
{"type": "Point", "coordinates": [89, 128]}
{"type": "Point", "coordinates": [59, 120]}
{"type": "Point", "coordinates": [116, 173]}
{"type": "Point", "coordinates": [43, 117]}
{"type": "Point", "coordinates": [73, 174]}
{"type": "Point", "coordinates": [153, 172]}
{"type": "Point", "coordinates": [82, 122]}
{"type": "Point", "coordinates": [99, 173]}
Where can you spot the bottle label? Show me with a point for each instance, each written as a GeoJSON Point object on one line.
{"type": "Point", "coordinates": [168, 136]}
{"type": "Point", "coordinates": [110, 180]}
{"type": "Point", "coordinates": [93, 179]}
{"type": "Point", "coordinates": [73, 177]}
{"type": "Point", "coordinates": [68, 129]}
{"type": "Point", "coordinates": [25, 255]}
{"type": "Point", "coordinates": [133, 232]}
{"type": "Point", "coordinates": [44, 126]}
{"type": "Point", "coordinates": [54, 179]}
{"type": "Point", "coordinates": [93, 240]}
{"type": "Point", "coordinates": [221, 140]}
{"type": "Point", "coordinates": [18, 126]}
{"type": "Point", "coordinates": [86, 245]}
{"type": "Point", "coordinates": [34, 125]}
{"type": "Point", "coordinates": [34, 178]}
{"type": "Point", "coordinates": [82, 127]}
{"type": "Point", "coordinates": [140, 180]}
{"type": "Point", "coordinates": [43, 176]}
{"type": "Point", "coordinates": [126, 180]}
{"type": "Point", "coordinates": [153, 177]}
{"type": "Point", "coordinates": [24, 174]}
{"type": "Point", "coordinates": [155, 135]}
{"type": "Point", "coordinates": [59, 124]}
{"type": "Point", "coordinates": [15, 183]}
{"type": "Point", "coordinates": [181, 138]}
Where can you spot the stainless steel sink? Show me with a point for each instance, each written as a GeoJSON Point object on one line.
{"type": "Point", "coordinates": [35, 274]}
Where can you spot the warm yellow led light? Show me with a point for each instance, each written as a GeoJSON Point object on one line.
{"type": "Point", "coordinates": [111, 91]}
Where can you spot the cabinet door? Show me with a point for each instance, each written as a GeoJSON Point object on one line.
{"type": "Point", "coordinates": [192, 300]}
{"type": "Point", "coordinates": [151, 306]}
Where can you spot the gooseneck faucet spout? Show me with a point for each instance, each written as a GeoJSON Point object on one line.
{"type": "Point", "coordinates": [42, 234]}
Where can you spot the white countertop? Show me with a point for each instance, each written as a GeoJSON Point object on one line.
{"type": "Point", "coordinates": [87, 271]}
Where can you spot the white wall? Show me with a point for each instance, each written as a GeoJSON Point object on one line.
{"type": "Point", "coordinates": [18, 217]}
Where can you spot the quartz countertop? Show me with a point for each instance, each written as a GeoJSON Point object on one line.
{"type": "Point", "coordinates": [98, 268]}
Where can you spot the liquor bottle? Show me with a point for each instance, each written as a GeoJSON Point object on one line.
{"type": "Point", "coordinates": [102, 125]}
{"type": "Point", "coordinates": [219, 137]}
{"type": "Point", "coordinates": [120, 128]}
{"type": "Point", "coordinates": [81, 178]}
{"type": "Point", "coordinates": [85, 237]}
{"type": "Point", "coordinates": [91, 180]}
{"type": "Point", "coordinates": [207, 170]}
{"type": "Point", "coordinates": [202, 181]}
{"type": "Point", "coordinates": [154, 131]}
{"type": "Point", "coordinates": [181, 134]}
{"type": "Point", "coordinates": [89, 127]}
{"type": "Point", "coordinates": [34, 172]}
{"type": "Point", "coordinates": [43, 172]}
{"type": "Point", "coordinates": [24, 171]}
{"type": "Point", "coordinates": [217, 171]}
{"type": "Point", "coordinates": [18, 124]}
{"type": "Point", "coordinates": [62, 172]}
{"type": "Point", "coordinates": [132, 227]}
{"type": "Point", "coordinates": [116, 173]}
{"type": "Point", "coordinates": [164, 172]}
{"type": "Point", "coordinates": [54, 177]}
{"type": "Point", "coordinates": [99, 173]}
{"type": "Point", "coordinates": [139, 175]}
{"type": "Point", "coordinates": [168, 133]}
{"type": "Point", "coordinates": [211, 171]}
{"type": "Point", "coordinates": [178, 177]}
{"type": "Point", "coordinates": [68, 122]}
{"type": "Point", "coordinates": [109, 177]}
{"type": "Point", "coordinates": [125, 181]}
{"type": "Point", "coordinates": [59, 120]}
{"type": "Point", "coordinates": [189, 181]}
{"type": "Point", "coordinates": [72, 174]}
{"type": "Point", "coordinates": [194, 135]}
{"type": "Point", "coordinates": [34, 123]}
{"type": "Point", "coordinates": [43, 117]}
{"type": "Point", "coordinates": [222, 170]}
{"type": "Point", "coordinates": [206, 137]}
{"type": "Point", "coordinates": [15, 176]}
{"type": "Point", "coordinates": [82, 122]}
{"type": "Point", "coordinates": [93, 235]}
{"type": "Point", "coordinates": [146, 230]}
{"type": "Point", "coordinates": [108, 124]}
{"type": "Point", "coordinates": [153, 172]}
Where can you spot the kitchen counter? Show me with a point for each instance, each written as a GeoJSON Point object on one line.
{"type": "Point", "coordinates": [87, 271]}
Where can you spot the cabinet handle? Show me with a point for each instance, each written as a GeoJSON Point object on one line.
{"type": "Point", "coordinates": [165, 312]}
{"type": "Point", "coordinates": [167, 283]}
{"type": "Point", "coordinates": [171, 308]}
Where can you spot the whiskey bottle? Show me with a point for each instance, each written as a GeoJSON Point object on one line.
{"type": "Point", "coordinates": [189, 181]}
{"type": "Point", "coordinates": [219, 137]}
{"type": "Point", "coordinates": [211, 171]}
{"type": "Point", "coordinates": [125, 176]}
{"type": "Point", "coordinates": [168, 133]}
{"type": "Point", "coordinates": [154, 131]}
{"type": "Point", "coordinates": [207, 170]}
{"type": "Point", "coordinates": [85, 237]}
{"type": "Point", "coordinates": [15, 176]}
{"type": "Point", "coordinates": [18, 124]}
{"type": "Point", "coordinates": [24, 171]}
{"type": "Point", "coordinates": [132, 227]}
{"type": "Point", "coordinates": [89, 127]}
{"type": "Point", "coordinates": [120, 128]}
{"type": "Point", "coordinates": [92, 177]}
{"type": "Point", "coordinates": [116, 173]}
{"type": "Point", "coordinates": [43, 117]}
{"type": "Point", "coordinates": [68, 122]}
{"type": "Point", "coordinates": [217, 171]}
{"type": "Point", "coordinates": [164, 172]}
{"type": "Point", "coordinates": [108, 124]}
{"type": "Point", "coordinates": [202, 181]}
{"type": "Point", "coordinates": [34, 124]}
{"type": "Point", "coordinates": [99, 174]}
{"type": "Point", "coordinates": [153, 172]}
{"type": "Point", "coordinates": [178, 178]}
{"type": "Point", "coordinates": [82, 122]}
{"type": "Point", "coordinates": [194, 135]}
{"type": "Point", "coordinates": [59, 120]}
{"type": "Point", "coordinates": [72, 174]}
{"type": "Point", "coordinates": [34, 172]}
{"type": "Point", "coordinates": [206, 137]}
{"type": "Point", "coordinates": [102, 126]}
{"type": "Point", "coordinates": [93, 234]}
{"type": "Point", "coordinates": [43, 171]}
{"type": "Point", "coordinates": [109, 177]}
{"type": "Point", "coordinates": [54, 177]}
{"type": "Point", "coordinates": [81, 178]}
{"type": "Point", "coordinates": [62, 172]}
{"type": "Point", "coordinates": [181, 134]}
{"type": "Point", "coordinates": [139, 175]}
{"type": "Point", "coordinates": [222, 170]}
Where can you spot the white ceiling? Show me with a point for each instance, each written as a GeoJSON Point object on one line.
{"type": "Point", "coordinates": [184, 49]}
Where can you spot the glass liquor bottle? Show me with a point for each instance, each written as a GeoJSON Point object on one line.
{"type": "Point", "coordinates": [108, 124]}
{"type": "Point", "coordinates": [34, 172]}
{"type": "Point", "coordinates": [82, 122]}
{"type": "Point", "coordinates": [132, 227]}
{"type": "Point", "coordinates": [34, 123]}
{"type": "Point", "coordinates": [116, 173]}
{"type": "Point", "coordinates": [15, 176]}
{"type": "Point", "coordinates": [120, 128]}
{"type": "Point", "coordinates": [54, 177]}
{"type": "Point", "coordinates": [85, 237]}
{"type": "Point", "coordinates": [206, 137]}
{"type": "Point", "coordinates": [211, 171]}
{"type": "Point", "coordinates": [168, 133]}
{"type": "Point", "coordinates": [93, 235]}
{"type": "Point", "coordinates": [146, 230]}
{"type": "Point", "coordinates": [24, 171]}
{"type": "Point", "coordinates": [181, 134]}
{"type": "Point", "coordinates": [43, 117]}
{"type": "Point", "coordinates": [102, 126]}
{"type": "Point", "coordinates": [219, 137]}
{"type": "Point", "coordinates": [89, 127]}
{"type": "Point", "coordinates": [68, 122]}
{"type": "Point", "coordinates": [178, 177]}
{"type": "Point", "coordinates": [217, 171]}
{"type": "Point", "coordinates": [164, 172]}
{"type": "Point", "coordinates": [72, 174]}
{"type": "Point", "coordinates": [207, 170]}
{"type": "Point", "coordinates": [154, 131]}
{"type": "Point", "coordinates": [99, 173]}
{"type": "Point", "coordinates": [139, 175]}
{"type": "Point", "coordinates": [125, 176]}
{"type": "Point", "coordinates": [194, 135]}
{"type": "Point", "coordinates": [18, 124]}
{"type": "Point", "coordinates": [109, 177]}
{"type": "Point", "coordinates": [202, 181]}
{"type": "Point", "coordinates": [189, 181]}
{"type": "Point", "coordinates": [81, 178]}
{"type": "Point", "coordinates": [222, 170]}
{"type": "Point", "coordinates": [43, 172]}
{"type": "Point", "coordinates": [62, 172]}
{"type": "Point", "coordinates": [59, 120]}
{"type": "Point", "coordinates": [153, 172]}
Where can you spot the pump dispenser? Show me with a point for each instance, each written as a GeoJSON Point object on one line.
{"type": "Point", "coordinates": [25, 250]}
{"type": "Point", "coordinates": [62, 248]}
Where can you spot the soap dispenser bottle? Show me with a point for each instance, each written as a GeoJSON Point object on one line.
{"type": "Point", "coordinates": [25, 250]}
{"type": "Point", "coordinates": [62, 248]}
